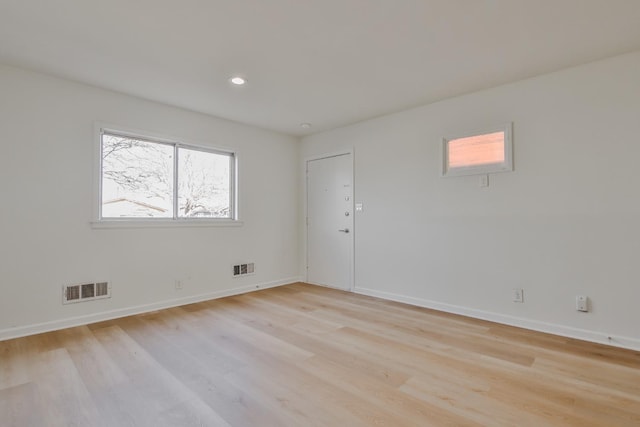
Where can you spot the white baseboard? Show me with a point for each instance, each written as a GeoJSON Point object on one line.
{"type": "Point", "coordinates": [535, 325]}
{"type": "Point", "coordinates": [22, 331]}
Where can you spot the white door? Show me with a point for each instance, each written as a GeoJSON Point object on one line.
{"type": "Point", "coordinates": [330, 221]}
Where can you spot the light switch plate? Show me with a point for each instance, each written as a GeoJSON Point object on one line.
{"type": "Point", "coordinates": [518, 295]}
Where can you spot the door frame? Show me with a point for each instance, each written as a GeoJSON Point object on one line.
{"type": "Point", "coordinates": [347, 151]}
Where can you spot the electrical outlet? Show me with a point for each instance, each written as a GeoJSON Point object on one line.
{"type": "Point", "coordinates": [178, 284]}
{"type": "Point", "coordinates": [518, 295]}
{"type": "Point", "coordinates": [582, 303]}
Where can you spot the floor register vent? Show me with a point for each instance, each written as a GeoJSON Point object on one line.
{"type": "Point", "coordinates": [85, 292]}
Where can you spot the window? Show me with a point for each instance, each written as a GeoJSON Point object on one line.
{"type": "Point", "coordinates": [145, 178]}
{"type": "Point", "coordinates": [478, 154]}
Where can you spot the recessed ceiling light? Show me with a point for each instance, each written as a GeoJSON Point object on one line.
{"type": "Point", "coordinates": [305, 125]}
{"type": "Point", "coordinates": [237, 80]}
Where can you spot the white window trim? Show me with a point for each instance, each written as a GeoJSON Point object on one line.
{"type": "Point", "coordinates": [506, 166]}
{"type": "Point", "coordinates": [105, 223]}
{"type": "Point", "coordinates": [164, 223]}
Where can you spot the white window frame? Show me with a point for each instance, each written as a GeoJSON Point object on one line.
{"type": "Point", "coordinates": [506, 166]}
{"type": "Point", "coordinates": [175, 221]}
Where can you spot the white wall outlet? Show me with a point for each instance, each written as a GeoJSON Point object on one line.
{"type": "Point", "coordinates": [582, 303]}
{"type": "Point", "coordinates": [178, 284]}
{"type": "Point", "coordinates": [518, 295]}
{"type": "Point", "coordinates": [484, 180]}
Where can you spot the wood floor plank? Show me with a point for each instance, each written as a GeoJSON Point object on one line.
{"type": "Point", "coordinates": [302, 355]}
{"type": "Point", "coordinates": [471, 404]}
{"type": "Point", "coordinates": [318, 342]}
{"type": "Point", "coordinates": [92, 361]}
{"type": "Point", "coordinates": [14, 363]}
{"type": "Point", "coordinates": [200, 365]}
{"type": "Point", "coordinates": [21, 405]}
{"type": "Point", "coordinates": [151, 390]}
{"type": "Point", "coordinates": [300, 395]}
{"type": "Point", "coordinates": [346, 313]}
{"type": "Point", "coordinates": [64, 397]}
{"type": "Point", "coordinates": [406, 409]}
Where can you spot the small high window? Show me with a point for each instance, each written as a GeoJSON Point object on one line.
{"type": "Point", "coordinates": [148, 178]}
{"type": "Point", "coordinates": [478, 154]}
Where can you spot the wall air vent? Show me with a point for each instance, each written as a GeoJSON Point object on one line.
{"type": "Point", "coordinates": [243, 269]}
{"type": "Point", "coordinates": [85, 292]}
{"type": "Point", "coordinates": [102, 289]}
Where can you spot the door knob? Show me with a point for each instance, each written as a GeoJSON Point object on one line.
{"type": "Point", "coordinates": [344, 230]}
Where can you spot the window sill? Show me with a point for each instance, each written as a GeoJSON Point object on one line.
{"type": "Point", "coordinates": [164, 223]}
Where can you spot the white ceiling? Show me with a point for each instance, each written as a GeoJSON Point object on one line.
{"type": "Point", "coordinates": [327, 62]}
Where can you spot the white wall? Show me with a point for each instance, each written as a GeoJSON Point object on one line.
{"type": "Point", "coordinates": [565, 222]}
{"type": "Point", "coordinates": [46, 172]}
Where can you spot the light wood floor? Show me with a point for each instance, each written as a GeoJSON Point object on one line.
{"type": "Point", "coordinates": [302, 355]}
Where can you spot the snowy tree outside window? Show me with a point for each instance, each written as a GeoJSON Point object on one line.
{"type": "Point", "coordinates": [149, 179]}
